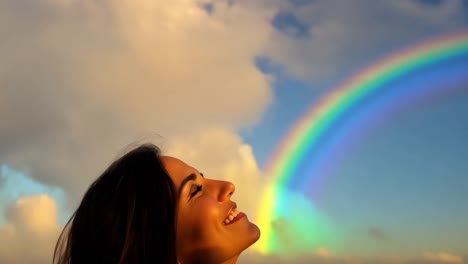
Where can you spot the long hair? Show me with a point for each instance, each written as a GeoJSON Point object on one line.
{"type": "Point", "coordinates": [126, 216]}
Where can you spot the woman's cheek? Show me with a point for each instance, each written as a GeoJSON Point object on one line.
{"type": "Point", "coordinates": [207, 210]}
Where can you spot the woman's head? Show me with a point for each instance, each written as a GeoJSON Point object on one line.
{"type": "Point", "coordinates": [209, 227]}
{"type": "Point", "coordinates": [148, 208]}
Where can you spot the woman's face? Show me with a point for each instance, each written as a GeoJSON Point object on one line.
{"type": "Point", "coordinates": [203, 233]}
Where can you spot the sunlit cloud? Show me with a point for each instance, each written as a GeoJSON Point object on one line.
{"type": "Point", "coordinates": [15, 185]}
{"type": "Point", "coordinates": [31, 230]}
{"type": "Point", "coordinates": [81, 80]}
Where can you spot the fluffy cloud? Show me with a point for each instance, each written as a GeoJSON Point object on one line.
{"type": "Point", "coordinates": [31, 231]}
{"type": "Point", "coordinates": [81, 79]}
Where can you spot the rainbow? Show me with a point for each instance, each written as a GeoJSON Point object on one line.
{"type": "Point", "coordinates": [319, 119]}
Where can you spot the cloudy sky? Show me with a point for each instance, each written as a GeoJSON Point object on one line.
{"type": "Point", "coordinates": [219, 83]}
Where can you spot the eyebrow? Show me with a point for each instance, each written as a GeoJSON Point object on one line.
{"type": "Point", "coordinates": [191, 177]}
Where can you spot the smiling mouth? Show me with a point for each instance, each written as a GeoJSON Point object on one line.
{"type": "Point", "coordinates": [234, 215]}
{"type": "Point", "coordinates": [231, 216]}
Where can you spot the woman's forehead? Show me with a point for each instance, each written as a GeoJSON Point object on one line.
{"type": "Point", "coordinates": [176, 168]}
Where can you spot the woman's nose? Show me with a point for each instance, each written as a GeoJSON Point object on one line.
{"type": "Point", "coordinates": [226, 190]}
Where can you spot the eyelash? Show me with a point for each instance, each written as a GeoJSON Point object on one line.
{"type": "Point", "coordinates": [198, 189]}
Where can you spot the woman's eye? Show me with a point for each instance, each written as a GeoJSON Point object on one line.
{"type": "Point", "coordinates": [197, 188]}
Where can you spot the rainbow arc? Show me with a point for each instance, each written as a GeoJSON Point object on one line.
{"type": "Point", "coordinates": [320, 118]}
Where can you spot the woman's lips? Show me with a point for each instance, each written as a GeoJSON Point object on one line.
{"type": "Point", "coordinates": [238, 217]}
{"type": "Point", "coordinates": [234, 215]}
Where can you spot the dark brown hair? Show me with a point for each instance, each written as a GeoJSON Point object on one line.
{"type": "Point", "coordinates": [126, 216]}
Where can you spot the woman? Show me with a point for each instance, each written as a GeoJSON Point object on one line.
{"type": "Point", "coordinates": [149, 208]}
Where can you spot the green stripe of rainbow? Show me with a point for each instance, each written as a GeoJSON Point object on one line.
{"type": "Point", "coordinates": [319, 118]}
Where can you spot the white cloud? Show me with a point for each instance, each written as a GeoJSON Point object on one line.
{"type": "Point", "coordinates": [15, 184]}
{"type": "Point", "coordinates": [31, 231]}
{"type": "Point", "coordinates": [81, 79]}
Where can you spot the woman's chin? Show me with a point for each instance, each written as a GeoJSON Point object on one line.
{"type": "Point", "coordinates": [254, 233]}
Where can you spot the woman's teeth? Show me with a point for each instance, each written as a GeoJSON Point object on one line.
{"type": "Point", "coordinates": [231, 216]}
